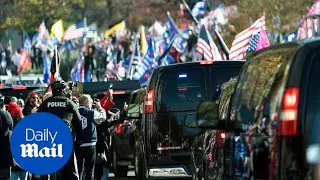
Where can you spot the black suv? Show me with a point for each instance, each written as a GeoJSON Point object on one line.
{"type": "Point", "coordinates": [208, 152]}
{"type": "Point", "coordinates": [168, 123]}
{"type": "Point", "coordinates": [275, 108]}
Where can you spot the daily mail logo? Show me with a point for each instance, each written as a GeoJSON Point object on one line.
{"type": "Point", "coordinates": [41, 140]}
{"type": "Point", "coordinates": [32, 150]}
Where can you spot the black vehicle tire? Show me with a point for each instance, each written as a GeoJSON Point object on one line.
{"type": "Point", "coordinates": [119, 171]}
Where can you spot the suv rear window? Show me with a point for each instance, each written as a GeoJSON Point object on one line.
{"type": "Point", "coordinates": [220, 75]}
{"type": "Point", "coordinates": [258, 77]}
{"type": "Point", "coordinates": [312, 125]}
{"type": "Point", "coordinates": [181, 89]}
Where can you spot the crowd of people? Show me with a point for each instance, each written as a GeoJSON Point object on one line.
{"type": "Point", "coordinates": [9, 59]}
{"type": "Point", "coordinates": [89, 120]}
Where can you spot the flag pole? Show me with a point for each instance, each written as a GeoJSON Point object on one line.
{"type": "Point", "coordinates": [57, 68]}
{"type": "Point", "coordinates": [85, 26]}
{"type": "Point", "coordinates": [224, 46]}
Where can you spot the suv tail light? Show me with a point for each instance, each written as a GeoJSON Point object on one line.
{"type": "Point", "coordinates": [119, 128]}
{"type": "Point", "coordinates": [288, 122]}
{"type": "Point", "coordinates": [148, 107]}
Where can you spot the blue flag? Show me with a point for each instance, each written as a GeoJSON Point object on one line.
{"type": "Point", "coordinates": [168, 59]}
{"type": "Point", "coordinates": [46, 68]}
{"type": "Point", "coordinates": [180, 41]}
{"type": "Point", "coordinates": [76, 70]}
{"type": "Point", "coordinates": [171, 31]}
{"type": "Point", "coordinates": [147, 63]}
{"type": "Point", "coordinates": [27, 45]}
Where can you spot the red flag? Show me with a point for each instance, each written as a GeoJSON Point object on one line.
{"type": "Point", "coordinates": [24, 61]}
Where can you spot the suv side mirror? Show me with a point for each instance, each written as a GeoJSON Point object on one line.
{"type": "Point", "coordinates": [189, 120]}
{"type": "Point", "coordinates": [207, 116]}
{"type": "Point", "coordinates": [134, 111]}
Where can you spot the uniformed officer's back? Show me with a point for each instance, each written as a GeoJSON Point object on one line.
{"type": "Point", "coordinates": [60, 106]}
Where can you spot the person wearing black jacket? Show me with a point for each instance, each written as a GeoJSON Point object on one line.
{"type": "Point", "coordinates": [6, 125]}
{"type": "Point", "coordinates": [86, 154]}
{"type": "Point", "coordinates": [68, 111]}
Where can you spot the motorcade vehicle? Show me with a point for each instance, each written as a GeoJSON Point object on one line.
{"type": "Point", "coordinates": [275, 108]}
{"type": "Point", "coordinates": [209, 152]}
{"type": "Point", "coordinates": [168, 125]}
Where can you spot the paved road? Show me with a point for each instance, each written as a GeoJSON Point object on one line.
{"type": "Point", "coordinates": [130, 176]}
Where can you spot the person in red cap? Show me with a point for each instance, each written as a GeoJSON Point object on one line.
{"type": "Point", "coordinates": [107, 101]}
{"type": "Point", "coordinates": [13, 109]}
{"type": "Point", "coordinates": [13, 104]}
{"type": "Point", "coordinates": [32, 104]}
{"type": "Point", "coordinates": [16, 171]}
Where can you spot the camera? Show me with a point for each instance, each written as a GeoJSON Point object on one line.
{"type": "Point", "coordinates": [72, 85]}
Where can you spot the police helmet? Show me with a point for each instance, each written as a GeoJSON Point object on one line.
{"type": "Point", "coordinates": [59, 86]}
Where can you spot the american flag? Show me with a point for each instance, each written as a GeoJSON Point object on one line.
{"type": "Point", "coordinates": [206, 46]}
{"type": "Point", "coordinates": [75, 73]}
{"type": "Point", "coordinates": [241, 42]}
{"type": "Point", "coordinates": [42, 41]}
{"type": "Point", "coordinates": [253, 43]}
{"type": "Point", "coordinates": [315, 9]}
{"type": "Point", "coordinates": [74, 31]}
{"type": "Point", "coordinates": [43, 32]}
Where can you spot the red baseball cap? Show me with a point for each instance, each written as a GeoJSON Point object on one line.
{"type": "Point", "coordinates": [16, 112]}
{"type": "Point", "coordinates": [33, 94]}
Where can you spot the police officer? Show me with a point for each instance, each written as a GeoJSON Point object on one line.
{"type": "Point", "coordinates": [59, 105]}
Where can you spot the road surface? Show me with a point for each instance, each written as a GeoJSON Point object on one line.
{"type": "Point", "coordinates": [130, 176]}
